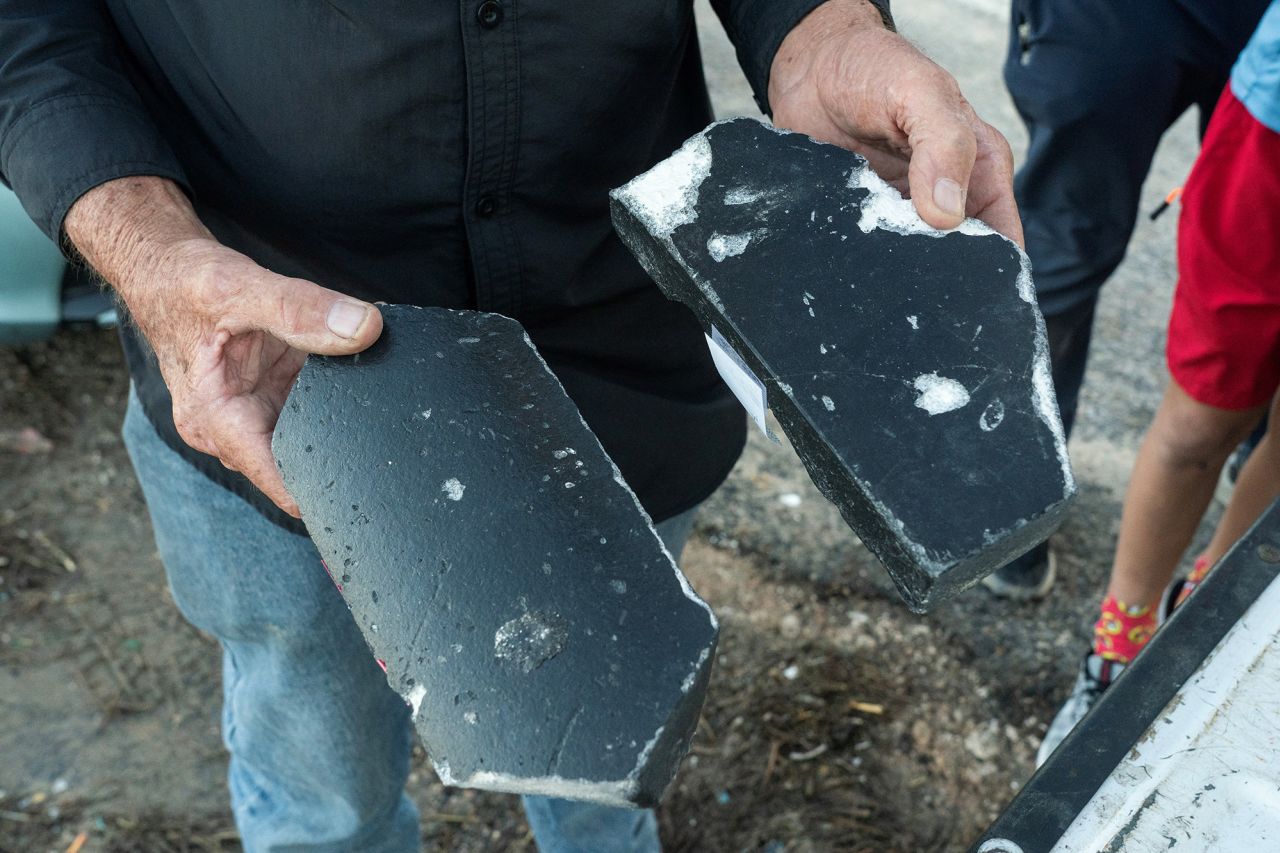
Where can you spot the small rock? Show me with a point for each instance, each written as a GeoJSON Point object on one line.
{"type": "Point", "coordinates": [984, 742]}
{"type": "Point", "coordinates": [27, 441]}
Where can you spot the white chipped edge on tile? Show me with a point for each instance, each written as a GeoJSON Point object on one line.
{"type": "Point", "coordinates": [414, 697]}
{"type": "Point", "coordinates": [687, 684]}
{"type": "Point", "coordinates": [617, 793]}
{"type": "Point", "coordinates": [1042, 391]}
{"type": "Point", "coordinates": [666, 197]}
{"type": "Point", "coordinates": [885, 208]}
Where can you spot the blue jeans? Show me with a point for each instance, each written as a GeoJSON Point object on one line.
{"type": "Point", "coordinates": [319, 742]}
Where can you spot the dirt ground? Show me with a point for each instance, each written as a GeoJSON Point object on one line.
{"type": "Point", "coordinates": [836, 719]}
{"type": "Point", "coordinates": [109, 698]}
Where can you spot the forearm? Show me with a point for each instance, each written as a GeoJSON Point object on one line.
{"type": "Point", "coordinates": [128, 228]}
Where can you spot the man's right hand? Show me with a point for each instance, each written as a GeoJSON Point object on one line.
{"type": "Point", "coordinates": [229, 335]}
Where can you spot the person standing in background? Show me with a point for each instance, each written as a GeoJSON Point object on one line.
{"type": "Point", "coordinates": [1223, 353]}
{"type": "Point", "coordinates": [1097, 84]}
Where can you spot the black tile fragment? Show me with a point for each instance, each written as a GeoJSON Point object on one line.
{"type": "Point", "coordinates": [496, 562]}
{"type": "Point", "coordinates": [907, 366]}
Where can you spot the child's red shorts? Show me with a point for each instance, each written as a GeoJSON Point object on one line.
{"type": "Point", "coordinates": [1224, 333]}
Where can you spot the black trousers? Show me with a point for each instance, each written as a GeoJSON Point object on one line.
{"type": "Point", "coordinates": [1097, 83]}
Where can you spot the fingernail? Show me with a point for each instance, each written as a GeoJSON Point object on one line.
{"type": "Point", "coordinates": [948, 197]}
{"type": "Point", "coordinates": [346, 318]}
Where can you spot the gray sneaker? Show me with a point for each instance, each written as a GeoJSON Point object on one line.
{"type": "Point", "coordinates": [1096, 675]}
{"type": "Point", "coordinates": [1026, 578]}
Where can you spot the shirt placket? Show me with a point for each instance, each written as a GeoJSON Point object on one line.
{"type": "Point", "coordinates": [490, 45]}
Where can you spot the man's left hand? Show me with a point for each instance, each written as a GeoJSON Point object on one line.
{"type": "Point", "coordinates": [842, 77]}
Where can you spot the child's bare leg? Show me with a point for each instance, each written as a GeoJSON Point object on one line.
{"type": "Point", "coordinates": [1172, 483]}
{"type": "Point", "coordinates": [1256, 487]}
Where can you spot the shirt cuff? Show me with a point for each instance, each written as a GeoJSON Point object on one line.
{"type": "Point", "coordinates": [757, 28]}
{"type": "Point", "coordinates": [65, 146]}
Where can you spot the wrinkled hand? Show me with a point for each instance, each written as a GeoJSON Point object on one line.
{"type": "Point", "coordinates": [841, 77]}
{"type": "Point", "coordinates": [229, 335]}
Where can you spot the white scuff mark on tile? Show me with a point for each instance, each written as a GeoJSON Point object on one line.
{"type": "Point", "coordinates": [992, 416]}
{"type": "Point", "coordinates": [938, 394]}
{"type": "Point", "coordinates": [721, 246]}
{"type": "Point", "coordinates": [453, 489]}
{"type": "Point", "coordinates": [743, 195]}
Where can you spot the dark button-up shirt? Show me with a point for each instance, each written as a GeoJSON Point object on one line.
{"type": "Point", "coordinates": [454, 154]}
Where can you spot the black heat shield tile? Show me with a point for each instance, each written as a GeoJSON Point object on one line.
{"type": "Point", "coordinates": [908, 366]}
{"type": "Point", "coordinates": [496, 562]}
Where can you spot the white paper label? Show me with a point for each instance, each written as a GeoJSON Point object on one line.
{"type": "Point", "coordinates": [741, 381]}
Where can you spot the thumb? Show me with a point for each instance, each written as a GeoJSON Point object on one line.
{"type": "Point", "coordinates": [943, 151]}
{"type": "Point", "coordinates": [307, 316]}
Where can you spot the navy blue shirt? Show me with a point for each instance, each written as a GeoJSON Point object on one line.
{"type": "Point", "coordinates": [454, 154]}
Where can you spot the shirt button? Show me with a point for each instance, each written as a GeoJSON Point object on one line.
{"type": "Point", "coordinates": [486, 206]}
{"type": "Point", "coordinates": [489, 14]}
